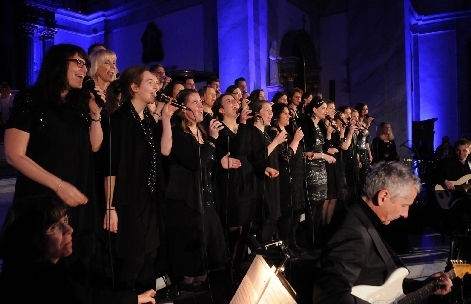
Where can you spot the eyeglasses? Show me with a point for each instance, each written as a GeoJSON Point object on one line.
{"type": "Point", "coordinates": [80, 63]}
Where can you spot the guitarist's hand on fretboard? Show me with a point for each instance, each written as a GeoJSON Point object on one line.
{"type": "Point", "coordinates": [449, 185]}
{"type": "Point", "coordinates": [444, 283]}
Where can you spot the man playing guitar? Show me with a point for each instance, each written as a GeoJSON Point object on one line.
{"type": "Point", "coordinates": [355, 254]}
{"type": "Point", "coordinates": [451, 170]}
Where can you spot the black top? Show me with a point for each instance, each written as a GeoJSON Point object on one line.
{"type": "Point", "coordinates": [184, 181]}
{"type": "Point", "coordinates": [451, 169]}
{"type": "Point", "coordinates": [59, 142]}
{"type": "Point", "coordinates": [291, 169]}
{"type": "Point", "coordinates": [353, 255]}
{"type": "Point", "coordinates": [383, 150]}
{"type": "Point", "coordinates": [135, 202]}
{"type": "Point", "coordinates": [236, 186]}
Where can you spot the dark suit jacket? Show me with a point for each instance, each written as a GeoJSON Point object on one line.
{"type": "Point", "coordinates": [353, 255]}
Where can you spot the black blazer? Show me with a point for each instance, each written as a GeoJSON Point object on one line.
{"type": "Point", "coordinates": [353, 255]}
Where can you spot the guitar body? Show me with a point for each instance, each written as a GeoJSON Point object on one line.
{"type": "Point", "coordinates": [389, 292]}
{"type": "Point", "coordinates": [446, 199]}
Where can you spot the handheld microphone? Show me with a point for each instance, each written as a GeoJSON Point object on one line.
{"type": "Point", "coordinates": [161, 97]}
{"type": "Point", "coordinates": [368, 116]}
{"type": "Point", "coordinates": [89, 84]}
{"type": "Point", "coordinates": [331, 122]}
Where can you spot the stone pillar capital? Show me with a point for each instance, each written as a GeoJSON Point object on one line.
{"type": "Point", "coordinates": [47, 33]}
{"type": "Point", "coordinates": [29, 28]}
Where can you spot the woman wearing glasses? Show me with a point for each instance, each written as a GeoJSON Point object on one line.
{"type": "Point", "coordinates": [52, 130]}
{"type": "Point", "coordinates": [33, 248]}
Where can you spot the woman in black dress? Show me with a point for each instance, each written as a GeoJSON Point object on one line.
{"type": "Point", "coordinates": [290, 157]}
{"type": "Point", "coordinates": [236, 186]}
{"type": "Point", "coordinates": [383, 145]}
{"type": "Point", "coordinates": [52, 130]}
{"type": "Point", "coordinates": [131, 182]}
{"type": "Point", "coordinates": [315, 172]}
{"type": "Point", "coordinates": [264, 159]}
{"type": "Point", "coordinates": [194, 231]}
{"type": "Point", "coordinates": [335, 176]}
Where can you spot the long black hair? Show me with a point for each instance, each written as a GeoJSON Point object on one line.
{"type": "Point", "coordinates": [52, 77]}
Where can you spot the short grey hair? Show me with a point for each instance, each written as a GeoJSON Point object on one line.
{"type": "Point", "coordinates": [392, 176]}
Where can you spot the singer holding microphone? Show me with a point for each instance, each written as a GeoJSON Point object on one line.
{"type": "Point", "coordinates": [131, 181]}
{"type": "Point", "coordinates": [52, 130]}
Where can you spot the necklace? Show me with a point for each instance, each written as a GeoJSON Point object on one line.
{"type": "Point", "coordinates": [146, 126]}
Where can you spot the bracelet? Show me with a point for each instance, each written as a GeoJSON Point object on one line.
{"type": "Point", "coordinates": [322, 155]}
{"type": "Point", "coordinates": [58, 187]}
{"type": "Point", "coordinates": [96, 120]}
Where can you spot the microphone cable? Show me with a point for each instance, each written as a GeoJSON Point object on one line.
{"type": "Point", "coordinates": [200, 201]}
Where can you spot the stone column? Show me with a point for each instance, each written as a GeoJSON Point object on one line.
{"type": "Point", "coordinates": [242, 42]}
{"type": "Point", "coordinates": [46, 35]}
{"type": "Point", "coordinates": [29, 31]}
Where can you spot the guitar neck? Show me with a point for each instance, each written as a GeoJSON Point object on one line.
{"type": "Point", "coordinates": [425, 291]}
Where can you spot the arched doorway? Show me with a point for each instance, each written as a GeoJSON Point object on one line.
{"type": "Point", "coordinates": [307, 70]}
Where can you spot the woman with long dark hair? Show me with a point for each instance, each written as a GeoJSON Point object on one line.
{"type": "Point", "coordinates": [290, 157]}
{"type": "Point", "coordinates": [53, 128]}
{"type": "Point", "coordinates": [315, 171]}
{"type": "Point", "coordinates": [264, 158]}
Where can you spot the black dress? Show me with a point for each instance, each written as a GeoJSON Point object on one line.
{"type": "Point", "coordinates": [59, 142]}
{"type": "Point", "coordinates": [236, 186]}
{"type": "Point", "coordinates": [335, 178]}
{"type": "Point", "coordinates": [291, 175]}
{"type": "Point", "coordinates": [268, 189]}
{"type": "Point", "coordinates": [131, 162]}
{"type": "Point", "coordinates": [194, 230]}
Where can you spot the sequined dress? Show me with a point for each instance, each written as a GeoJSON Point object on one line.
{"type": "Point", "coordinates": [316, 175]}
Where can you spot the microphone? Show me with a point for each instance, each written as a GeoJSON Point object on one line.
{"type": "Point", "coordinates": [404, 144]}
{"type": "Point", "coordinates": [89, 84]}
{"type": "Point", "coordinates": [161, 97]}
{"type": "Point", "coordinates": [368, 116]}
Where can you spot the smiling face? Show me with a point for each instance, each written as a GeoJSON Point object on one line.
{"type": "Point", "coordinates": [147, 89]}
{"type": "Point", "coordinates": [58, 240]}
{"type": "Point", "coordinates": [76, 71]}
{"type": "Point", "coordinates": [285, 115]}
{"type": "Point", "coordinates": [195, 104]}
{"type": "Point", "coordinates": [106, 70]}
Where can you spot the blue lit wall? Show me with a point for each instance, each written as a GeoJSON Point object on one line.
{"type": "Point", "coordinates": [183, 33]}
{"type": "Point", "coordinates": [438, 82]}
{"type": "Point", "coordinates": [436, 78]}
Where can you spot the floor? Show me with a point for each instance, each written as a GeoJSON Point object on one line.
{"type": "Point", "coordinates": [429, 254]}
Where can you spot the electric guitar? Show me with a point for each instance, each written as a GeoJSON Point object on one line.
{"type": "Point", "coordinates": [391, 290]}
{"type": "Point", "coordinates": [445, 197]}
